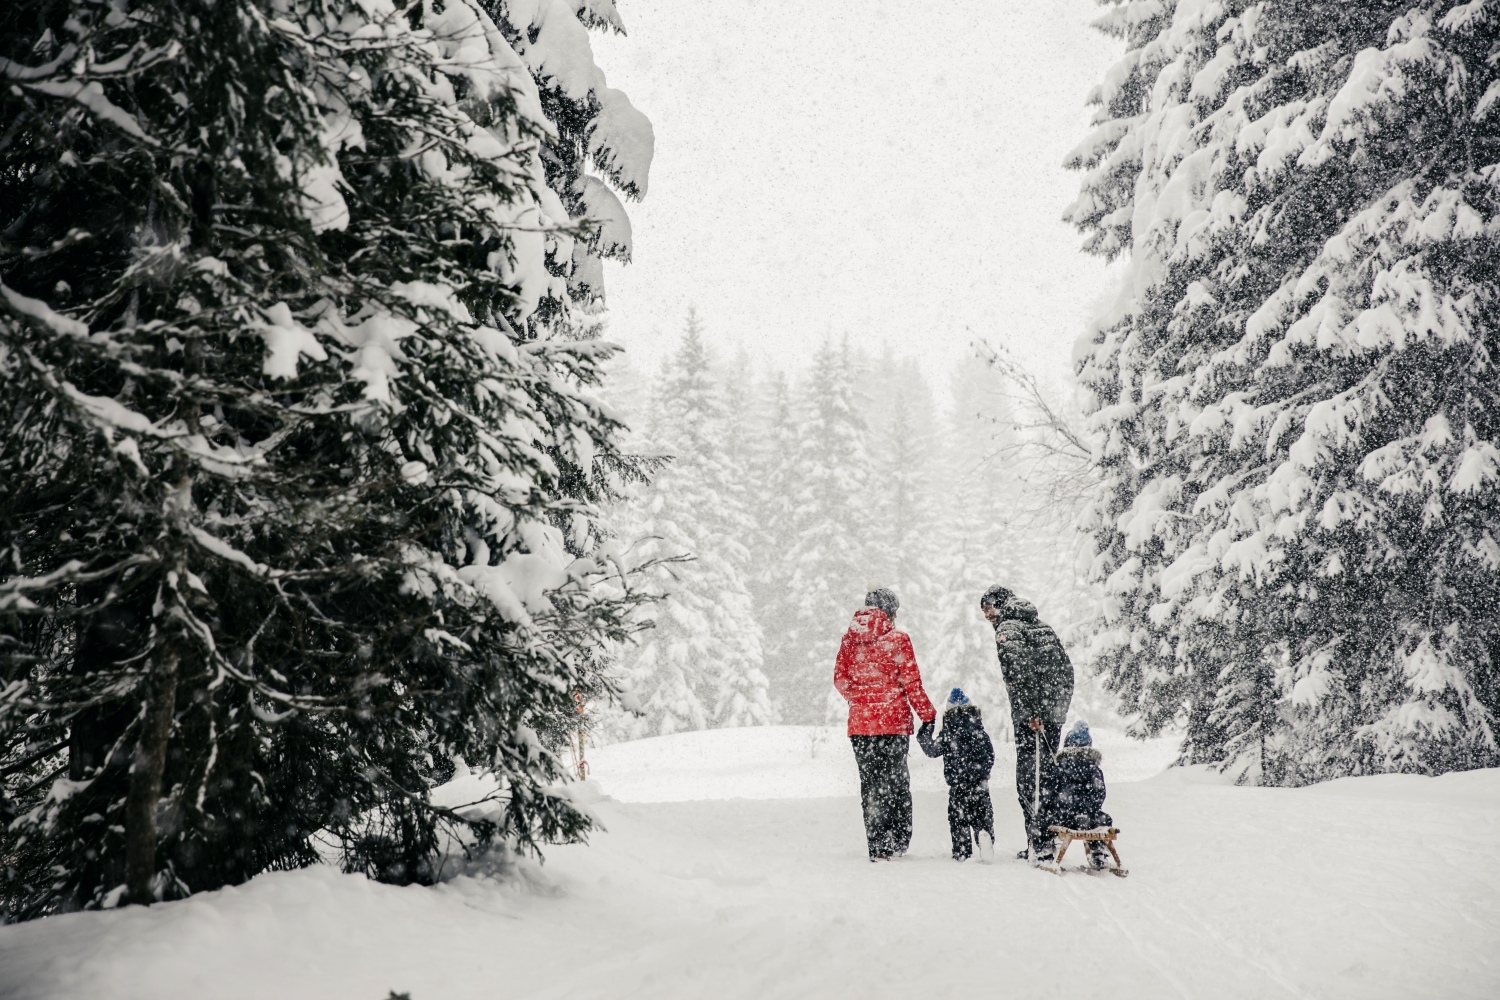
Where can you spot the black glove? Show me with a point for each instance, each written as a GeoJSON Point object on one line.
{"type": "Point", "coordinates": [925, 740]}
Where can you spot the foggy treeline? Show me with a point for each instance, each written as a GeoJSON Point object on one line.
{"type": "Point", "coordinates": [795, 491]}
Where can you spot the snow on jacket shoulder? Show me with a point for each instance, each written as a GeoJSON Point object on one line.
{"type": "Point", "coordinates": [876, 672]}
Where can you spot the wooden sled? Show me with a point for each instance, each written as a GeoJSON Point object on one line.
{"type": "Point", "coordinates": [1104, 835]}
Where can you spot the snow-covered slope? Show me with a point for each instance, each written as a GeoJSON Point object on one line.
{"type": "Point", "coordinates": [1366, 887]}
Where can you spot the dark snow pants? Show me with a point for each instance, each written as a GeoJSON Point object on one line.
{"type": "Point", "coordinates": [1026, 772]}
{"type": "Point", "coordinates": [969, 812]}
{"type": "Point", "coordinates": [885, 792]}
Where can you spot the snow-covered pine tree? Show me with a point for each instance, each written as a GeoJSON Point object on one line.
{"type": "Point", "coordinates": [827, 564]}
{"type": "Point", "coordinates": [282, 517]}
{"type": "Point", "coordinates": [593, 126]}
{"type": "Point", "coordinates": [773, 526]}
{"type": "Point", "coordinates": [899, 411]}
{"type": "Point", "coordinates": [1294, 398]}
{"type": "Point", "coordinates": [979, 545]}
{"type": "Point", "coordinates": [700, 666]}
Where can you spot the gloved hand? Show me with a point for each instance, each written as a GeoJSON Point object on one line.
{"type": "Point", "coordinates": [925, 740]}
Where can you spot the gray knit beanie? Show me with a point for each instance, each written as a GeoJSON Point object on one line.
{"type": "Point", "coordinates": [885, 599]}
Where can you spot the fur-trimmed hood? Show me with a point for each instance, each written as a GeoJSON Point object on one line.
{"type": "Point", "coordinates": [1085, 753]}
{"type": "Point", "coordinates": [960, 710]}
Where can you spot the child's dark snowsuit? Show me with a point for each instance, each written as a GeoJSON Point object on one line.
{"type": "Point", "coordinates": [1073, 793]}
{"type": "Point", "coordinates": [968, 755]}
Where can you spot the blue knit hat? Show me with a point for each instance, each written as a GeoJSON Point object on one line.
{"type": "Point", "coordinates": [957, 698]}
{"type": "Point", "coordinates": [1079, 735]}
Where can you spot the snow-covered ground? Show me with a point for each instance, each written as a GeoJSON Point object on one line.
{"type": "Point", "coordinates": [733, 866]}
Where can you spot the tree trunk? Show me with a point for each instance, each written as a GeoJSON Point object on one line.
{"type": "Point", "coordinates": [145, 781]}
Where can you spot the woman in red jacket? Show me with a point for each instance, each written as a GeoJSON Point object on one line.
{"type": "Point", "coordinates": [877, 674]}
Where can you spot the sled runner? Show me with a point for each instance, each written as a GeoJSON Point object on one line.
{"type": "Point", "coordinates": [1105, 835]}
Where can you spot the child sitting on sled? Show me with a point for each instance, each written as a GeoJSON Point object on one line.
{"type": "Point", "coordinates": [967, 756]}
{"type": "Point", "coordinates": [1073, 793]}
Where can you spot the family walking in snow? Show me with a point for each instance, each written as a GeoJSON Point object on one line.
{"type": "Point", "coordinates": [876, 673]}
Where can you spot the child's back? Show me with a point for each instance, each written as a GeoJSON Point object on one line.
{"type": "Point", "coordinates": [968, 756]}
{"type": "Point", "coordinates": [1073, 794]}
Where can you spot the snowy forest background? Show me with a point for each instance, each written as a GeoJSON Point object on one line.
{"type": "Point", "coordinates": [1288, 514]}
{"type": "Point", "coordinates": [795, 492]}
{"type": "Point", "coordinates": [322, 476]}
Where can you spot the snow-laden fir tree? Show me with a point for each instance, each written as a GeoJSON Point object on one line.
{"type": "Point", "coordinates": [773, 429]}
{"type": "Point", "coordinates": [1294, 398]}
{"type": "Point", "coordinates": [599, 147]}
{"type": "Point", "coordinates": [980, 542]}
{"type": "Point", "coordinates": [700, 666]}
{"type": "Point", "coordinates": [826, 564]}
{"type": "Point", "coordinates": [902, 444]}
{"type": "Point", "coordinates": [284, 523]}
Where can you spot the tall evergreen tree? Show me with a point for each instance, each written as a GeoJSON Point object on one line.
{"type": "Point", "coordinates": [773, 533]}
{"type": "Point", "coordinates": [980, 544]}
{"type": "Point", "coordinates": [700, 666]}
{"type": "Point", "coordinates": [285, 523]}
{"type": "Point", "coordinates": [827, 556]}
{"type": "Point", "coordinates": [1294, 399]}
{"type": "Point", "coordinates": [903, 443]}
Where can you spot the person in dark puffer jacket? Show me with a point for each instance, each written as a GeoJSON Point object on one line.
{"type": "Point", "coordinates": [1039, 679]}
{"type": "Point", "coordinates": [968, 755]}
{"type": "Point", "coordinates": [1073, 795]}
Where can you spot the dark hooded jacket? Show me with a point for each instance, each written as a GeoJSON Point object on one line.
{"type": "Point", "coordinates": [968, 755]}
{"type": "Point", "coordinates": [1038, 673]}
{"type": "Point", "coordinates": [1073, 793]}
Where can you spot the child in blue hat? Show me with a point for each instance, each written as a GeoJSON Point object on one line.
{"type": "Point", "coordinates": [1073, 794]}
{"type": "Point", "coordinates": [968, 755]}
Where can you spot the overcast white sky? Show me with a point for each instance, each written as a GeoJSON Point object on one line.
{"type": "Point", "coordinates": [887, 169]}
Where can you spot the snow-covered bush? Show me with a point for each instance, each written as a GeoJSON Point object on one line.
{"type": "Point", "coordinates": [299, 434]}
{"type": "Point", "coordinates": [1294, 396]}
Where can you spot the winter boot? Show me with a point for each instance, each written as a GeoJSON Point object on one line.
{"type": "Point", "coordinates": [986, 844]}
{"type": "Point", "coordinates": [1099, 859]}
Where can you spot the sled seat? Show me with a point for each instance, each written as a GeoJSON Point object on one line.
{"type": "Point", "coordinates": [1104, 834]}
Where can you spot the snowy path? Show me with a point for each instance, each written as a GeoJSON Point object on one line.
{"type": "Point", "coordinates": [1356, 888]}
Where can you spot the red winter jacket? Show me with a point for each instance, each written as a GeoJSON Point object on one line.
{"type": "Point", "coordinates": [877, 674]}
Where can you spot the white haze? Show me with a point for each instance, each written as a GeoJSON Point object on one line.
{"type": "Point", "coordinates": [884, 169]}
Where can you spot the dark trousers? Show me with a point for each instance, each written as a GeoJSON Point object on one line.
{"type": "Point", "coordinates": [1026, 771]}
{"type": "Point", "coordinates": [969, 813]}
{"type": "Point", "coordinates": [885, 792]}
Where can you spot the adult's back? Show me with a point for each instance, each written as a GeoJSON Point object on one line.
{"type": "Point", "coordinates": [1039, 679]}
{"type": "Point", "coordinates": [876, 672]}
{"type": "Point", "coordinates": [1037, 671]}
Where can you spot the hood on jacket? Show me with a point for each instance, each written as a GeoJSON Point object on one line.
{"type": "Point", "coordinates": [1018, 609]}
{"type": "Point", "coordinates": [968, 709]}
{"type": "Point", "coordinates": [1086, 753]}
{"type": "Point", "coordinates": [869, 625]}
